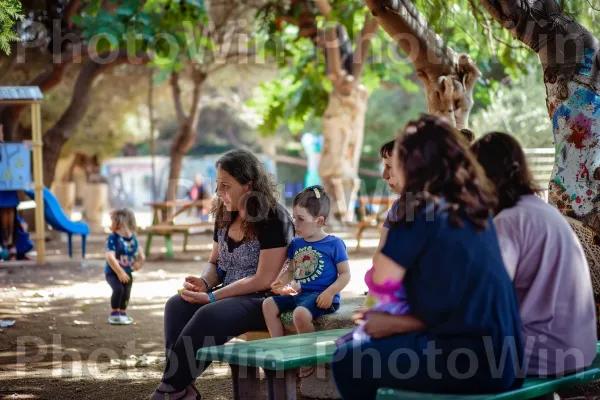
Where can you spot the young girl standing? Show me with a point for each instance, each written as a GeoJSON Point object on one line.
{"type": "Point", "coordinates": [122, 258]}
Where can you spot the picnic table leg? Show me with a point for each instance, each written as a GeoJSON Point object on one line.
{"type": "Point", "coordinates": [148, 244]}
{"type": "Point", "coordinates": [185, 241]}
{"type": "Point", "coordinates": [246, 383]}
{"type": "Point", "coordinates": [282, 387]}
{"type": "Point", "coordinates": [169, 246]}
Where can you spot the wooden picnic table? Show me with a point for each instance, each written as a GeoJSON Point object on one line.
{"type": "Point", "coordinates": [374, 220]}
{"type": "Point", "coordinates": [161, 208]}
{"type": "Point", "coordinates": [278, 357]}
{"type": "Point", "coordinates": [165, 226]}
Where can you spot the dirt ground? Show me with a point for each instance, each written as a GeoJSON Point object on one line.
{"type": "Point", "coordinates": [62, 346]}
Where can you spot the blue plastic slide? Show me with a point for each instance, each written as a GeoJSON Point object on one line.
{"type": "Point", "coordinates": [57, 219]}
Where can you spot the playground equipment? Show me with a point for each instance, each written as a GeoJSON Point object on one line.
{"type": "Point", "coordinates": [57, 219]}
{"type": "Point", "coordinates": [29, 95]}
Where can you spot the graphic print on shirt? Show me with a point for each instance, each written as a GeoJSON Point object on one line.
{"type": "Point", "coordinates": [309, 264]}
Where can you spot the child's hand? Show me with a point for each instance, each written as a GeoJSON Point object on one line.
{"type": "Point", "coordinates": [276, 286]}
{"type": "Point", "coordinates": [291, 288]}
{"type": "Point", "coordinates": [325, 300]}
{"type": "Point", "coordinates": [137, 265]}
{"type": "Point", "coordinates": [123, 277]}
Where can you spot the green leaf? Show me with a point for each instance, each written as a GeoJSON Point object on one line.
{"type": "Point", "coordinates": [126, 11]}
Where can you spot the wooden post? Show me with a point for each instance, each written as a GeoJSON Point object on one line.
{"type": "Point", "coordinates": [38, 181]}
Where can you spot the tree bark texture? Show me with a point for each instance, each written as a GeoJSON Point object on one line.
{"type": "Point", "coordinates": [343, 134]}
{"type": "Point", "coordinates": [569, 55]}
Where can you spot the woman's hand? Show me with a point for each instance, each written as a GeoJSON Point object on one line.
{"type": "Point", "coordinates": [194, 284]}
{"type": "Point", "coordinates": [195, 297]}
{"type": "Point", "coordinates": [379, 325]}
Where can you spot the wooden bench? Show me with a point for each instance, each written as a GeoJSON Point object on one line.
{"type": "Point", "coordinates": [531, 389]}
{"type": "Point", "coordinates": [278, 357]}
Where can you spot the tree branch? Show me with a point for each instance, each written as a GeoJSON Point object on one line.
{"type": "Point", "coordinates": [324, 7]}
{"type": "Point", "coordinates": [198, 78]}
{"type": "Point", "coordinates": [408, 27]}
{"type": "Point", "coordinates": [176, 90]}
{"type": "Point", "coordinates": [332, 50]}
{"type": "Point", "coordinates": [544, 27]}
{"type": "Point", "coordinates": [69, 12]}
{"type": "Point", "coordinates": [363, 44]}
{"type": "Point", "coordinates": [63, 129]}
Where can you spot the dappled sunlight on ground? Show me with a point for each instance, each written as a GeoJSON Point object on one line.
{"type": "Point", "coordinates": [62, 346]}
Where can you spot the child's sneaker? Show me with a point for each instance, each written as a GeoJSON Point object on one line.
{"type": "Point", "coordinates": [115, 318]}
{"type": "Point", "coordinates": [125, 319]}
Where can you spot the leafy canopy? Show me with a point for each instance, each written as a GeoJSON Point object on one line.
{"type": "Point", "coordinates": [176, 33]}
{"type": "Point", "coordinates": [10, 12]}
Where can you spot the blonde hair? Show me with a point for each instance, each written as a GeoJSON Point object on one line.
{"type": "Point", "coordinates": [123, 217]}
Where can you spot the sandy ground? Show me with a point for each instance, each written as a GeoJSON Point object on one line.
{"type": "Point", "coordinates": [62, 346]}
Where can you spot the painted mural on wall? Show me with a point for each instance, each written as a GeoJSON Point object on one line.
{"type": "Point", "coordinates": [130, 178]}
{"type": "Point", "coordinates": [575, 182]}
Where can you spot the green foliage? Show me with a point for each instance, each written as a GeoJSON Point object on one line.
{"type": "Point", "coordinates": [173, 31]}
{"type": "Point", "coordinates": [388, 111]}
{"type": "Point", "coordinates": [518, 109]}
{"type": "Point", "coordinates": [301, 94]}
{"type": "Point", "coordinates": [10, 12]}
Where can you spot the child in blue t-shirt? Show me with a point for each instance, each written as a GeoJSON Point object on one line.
{"type": "Point", "coordinates": [122, 258]}
{"type": "Point", "coordinates": [319, 269]}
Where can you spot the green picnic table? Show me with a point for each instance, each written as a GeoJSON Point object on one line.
{"type": "Point", "coordinates": [278, 357]}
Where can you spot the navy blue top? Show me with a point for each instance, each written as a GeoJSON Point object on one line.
{"type": "Point", "coordinates": [125, 250]}
{"type": "Point", "coordinates": [457, 284]}
{"type": "Point", "coordinates": [316, 262]}
{"type": "Point", "coordinates": [8, 198]}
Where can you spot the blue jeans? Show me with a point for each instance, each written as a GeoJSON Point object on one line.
{"type": "Point", "coordinates": [307, 300]}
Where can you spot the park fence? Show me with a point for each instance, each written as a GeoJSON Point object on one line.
{"type": "Point", "coordinates": [541, 162]}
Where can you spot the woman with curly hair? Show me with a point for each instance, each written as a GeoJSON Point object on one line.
{"type": "Point", "coordinates": [462, 334]}
{"type": "Point", "coordinates": [545, 261]}
{"type": "Point", "coordinates": [251, 235]}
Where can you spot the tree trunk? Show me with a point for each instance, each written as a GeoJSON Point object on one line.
{"type": "Point", "coordinates": [63, 129]}
{"type": "Point", "coordinates": [186, 136]}
{"type": "Point", "coordinates": [570, 58]}
{"type": "Point", "coordinates": [152, 135]}
{"type": "Point", "coordinates": [343, 134]}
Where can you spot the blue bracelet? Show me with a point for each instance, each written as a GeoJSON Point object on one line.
{"type": "Point", "coordinates": [211, 296]}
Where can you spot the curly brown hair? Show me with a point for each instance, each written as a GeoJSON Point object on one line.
{"type": "Point", "coordinates": [245, 167]}
{"type": "Point", "coordinates": [506, 166]}
{"type": "Point", "coordinates": [438, 166]}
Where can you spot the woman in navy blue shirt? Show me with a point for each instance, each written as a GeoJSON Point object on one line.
{"type": "Point", "coordinates": [463, 334]}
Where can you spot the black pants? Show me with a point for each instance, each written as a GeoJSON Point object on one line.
{"type": "Point", "coordinates": [121, 291]}
{"type": "Point", "coordinates": [189, 327]}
